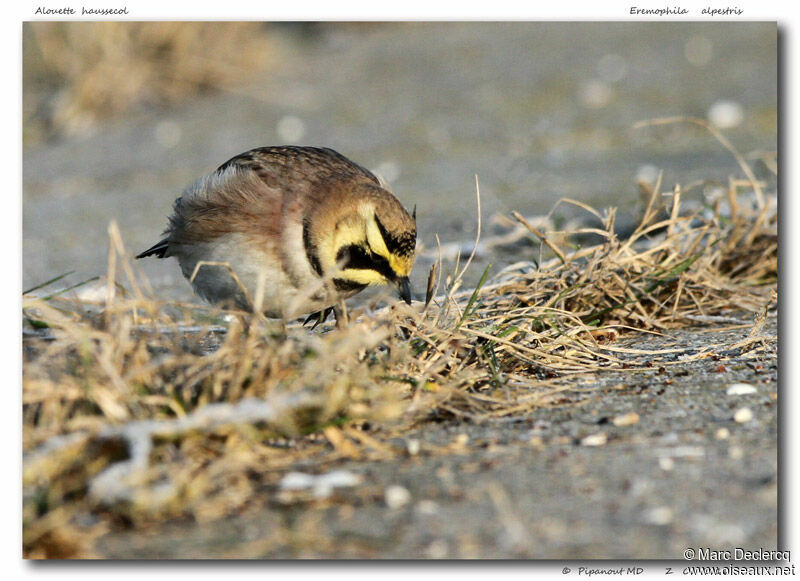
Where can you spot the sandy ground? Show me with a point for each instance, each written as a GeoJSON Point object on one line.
{"type": "Point", "coordinates": [538, 111]}
{"type": "Point", "coordinates": [571, 482]}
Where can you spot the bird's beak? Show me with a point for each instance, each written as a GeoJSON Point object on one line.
{"type": "Point", "coordinates": [405, 289]}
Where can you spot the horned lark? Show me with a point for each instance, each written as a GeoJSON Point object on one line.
{"type": "Point", "coordinates": [292, 229]}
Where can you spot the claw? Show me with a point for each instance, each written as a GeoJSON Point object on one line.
{"type": "Point", "coordinates": [320, 317]}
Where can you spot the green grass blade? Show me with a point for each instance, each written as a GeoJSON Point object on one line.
{"type": "Point", "coordinates": [474, 296]}
{"type": "Point", "coordinates": [44, 284]}
{"type": "Point", "coordinates": [74, 286]}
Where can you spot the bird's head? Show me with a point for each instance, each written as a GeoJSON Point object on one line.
{"type": "Point", "coordinates": [371, 243]}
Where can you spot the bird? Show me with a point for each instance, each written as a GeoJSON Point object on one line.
{"type": "Point", "coordinates": [290, 231]}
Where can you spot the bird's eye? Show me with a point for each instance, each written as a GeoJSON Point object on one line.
{"type": "Point", "coordinates": [343, 256]}
{"type": "Point", "coordinates": [354, 256]}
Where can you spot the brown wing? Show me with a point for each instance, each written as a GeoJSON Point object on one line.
{"type": "Point", "coordinates": [256, 192]}
{"type": "Point", "coordinates": [310, 163]}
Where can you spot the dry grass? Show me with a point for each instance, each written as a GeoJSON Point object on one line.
{"type": "Point", "coordinates": [136, 410]}
{"type": "Point", "coordinates": [79, 73]}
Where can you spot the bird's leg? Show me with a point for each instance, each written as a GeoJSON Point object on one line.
{"type": "Point", "coordinates": [340, 310]}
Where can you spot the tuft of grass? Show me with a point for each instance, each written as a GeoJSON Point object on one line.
{"type": "Point", "coordinates": [136, 410]}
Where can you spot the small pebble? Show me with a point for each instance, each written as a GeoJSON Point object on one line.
{"type": "Point", "coordinates": [321, 485]}
{"type": "Point", "coordinates": [722, 434]}
{"type": "Point", "coordinates": [396, 496]}
{"type": "Point", "coordinates": [437, 549]}
{"type": "Point", "coordinates": [595, 440]}
{"type": "Point", "coordinates": [666, 463]}
{"type": "Point", "coordinates": [647, 174]}
{"type": "Point", "coordinates": [595, 94]}
{"type": "Point", "coordinates": [291, 129]}
{"type": "Point", "coordinates": [297, 481]}
{"type": "Point", "coordinates": [461, 440]}
{"type": "Point", "coordinates": [626, 419]}
{"type": "Point", "coordinates": [735, 453]}
{"type": "Point", "coordinates": [725, 114]}
{"type": "Point", "coordinates": [698, 50]}
{"type": "Point", "coordinates": [661, 515]}
{"type": "Point", "coordinates": [741, 389]}
{"type": "Point", "coordinates": [413, 447]}
{"type": "Point", "coordinates": [743, 416]}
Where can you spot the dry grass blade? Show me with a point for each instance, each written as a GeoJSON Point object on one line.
{"type": "Point", "coordinates": [745, 167]}
{"type": "Point", "coordinates": [536, 232]}
{"type": "Point", "coordinates": [430, 287]}
{"type": "Point", "coordinates": [134, 409]}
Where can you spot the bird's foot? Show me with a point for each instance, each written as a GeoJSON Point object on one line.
{"type": "Point", "coordinates": [318, 317]}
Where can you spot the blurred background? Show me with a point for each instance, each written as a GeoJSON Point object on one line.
{"type": "Point", "coordinates": [118, 117]}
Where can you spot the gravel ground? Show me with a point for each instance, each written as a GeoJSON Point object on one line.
{"type": "Point", "coordinates": [580, 481]}
{"type": "Point", "coordinates": [539, 111]}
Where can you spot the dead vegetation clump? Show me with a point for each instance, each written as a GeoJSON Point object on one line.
{"type": "Point", "coordinates": [78, 73]}
{"type": "Point", "coordinates": [136, 410]}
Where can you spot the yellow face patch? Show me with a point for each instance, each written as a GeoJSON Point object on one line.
{"type": "Point", "coordinates": [348, 232]}
{"type": "Point", "coordinates": [362, 276]}
{"type": "Point", "coordinates": [401, 264]}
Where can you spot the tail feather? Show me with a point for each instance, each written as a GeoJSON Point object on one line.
{"type": "Point", "coordinates": [159, 250]}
